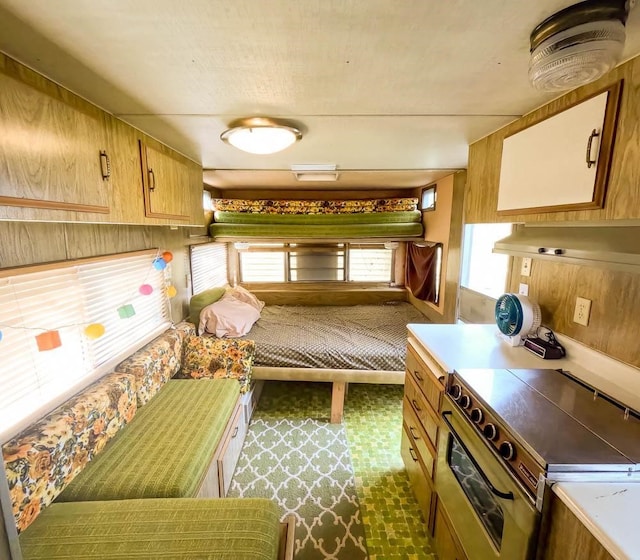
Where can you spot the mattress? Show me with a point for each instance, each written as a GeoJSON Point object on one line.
{"type": "Point", "coordinates": [315, 231]}
{"type": "Point", "coordinates": [359, 337]}
{"type": "Point", "coordinates": [411, 216]}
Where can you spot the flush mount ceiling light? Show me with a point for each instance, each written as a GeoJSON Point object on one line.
{"type": "Point", "coordinates": [315, 172]}
{"type": "Point", "coordinates": [578, 44]}
{"type": "Point", "coordinates": [261, 135]}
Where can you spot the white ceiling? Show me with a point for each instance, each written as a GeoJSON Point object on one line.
{"type": "Point", "coordinates": [376, 84]}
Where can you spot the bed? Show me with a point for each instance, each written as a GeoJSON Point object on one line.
{"type": "Point", "coordinates": [337, 344]}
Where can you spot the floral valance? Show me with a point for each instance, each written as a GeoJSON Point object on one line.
{"type": "Point", "coordinates": [315, 206]}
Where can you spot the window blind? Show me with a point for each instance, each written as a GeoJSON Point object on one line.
{"type": "Point", "coordinates": [66, 300]}
{"type": "Point", "coordinates": [340, 262]}
{"type": "Point", "coordinates": [208, 266]}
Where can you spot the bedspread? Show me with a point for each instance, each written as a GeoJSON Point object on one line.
{"type": "Point", "coordinates": [369, 337]}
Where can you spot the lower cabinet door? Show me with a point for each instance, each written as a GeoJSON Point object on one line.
{"type": "Point", "coordinates": [446, 544]}
{"type": "Point", "coordinates": [421, 484]}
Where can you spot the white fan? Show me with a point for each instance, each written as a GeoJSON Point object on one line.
{"type": "Point", "coordinates": [516, 317]}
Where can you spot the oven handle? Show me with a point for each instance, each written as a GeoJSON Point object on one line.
{"type": "Point", "coordinates": [494, 490]}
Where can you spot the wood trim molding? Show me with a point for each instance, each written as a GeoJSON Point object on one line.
{"type": "Point", "coordinates": [52, 205]}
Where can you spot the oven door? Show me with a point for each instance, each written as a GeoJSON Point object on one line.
{"type": "Point", "coordinates": [492, 514]}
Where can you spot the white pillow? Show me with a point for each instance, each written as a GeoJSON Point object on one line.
{"type": "Point", "coordinates": [246, 296]}
{"type": "Point", "coordinates": [228, 317]}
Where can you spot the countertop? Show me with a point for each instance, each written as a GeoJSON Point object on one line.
{"type": "Point", "coordinates": [608, 511]}
{"type": "Point", "coordinates": [477, 346]}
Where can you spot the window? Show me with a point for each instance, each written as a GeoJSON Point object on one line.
{"type": "Point", "coordinates": [65, 300]}
{"type": "Point", "coordinates": [208, 266]}
{"type": "Point", "coordinates": [482, 270]}
{"type": "Point", "coordinates": [313, 262]}
{"type": "Point", "coordinates": [428, 199]}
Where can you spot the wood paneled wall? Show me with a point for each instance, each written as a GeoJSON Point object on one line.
{"type": "Point", "coordinates": [615, 310]}
{"type": "Point", "coordinates": [26, 243]}
{"type": "Point", "coordinates": [444, 225]}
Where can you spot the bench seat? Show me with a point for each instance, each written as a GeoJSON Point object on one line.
{"type": "Point", "coordinates": [224, 529]}
{"type": "Point", "coordinates": [152, 458]}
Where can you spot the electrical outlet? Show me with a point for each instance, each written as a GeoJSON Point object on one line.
{"type": "Point", "coordinates": [582, 311]}
{"type": "Point", "coordinates": [525, 268]}
{"type": "Point", "coordinates": [523, 289]}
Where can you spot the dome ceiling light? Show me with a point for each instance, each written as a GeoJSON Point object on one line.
{"type": "Point", "coordinates": [578, 44]}
{"type": "Point", "coordinates": [261, 135]}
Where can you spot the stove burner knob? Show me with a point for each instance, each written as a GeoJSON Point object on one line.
{"type": "Point", "coordinates": [490, 432]}
{"type": "Point", "coordinates": [455, 392]}
{"type": "Point", "coordinates": [477, 416]}
{"type": "Point", "coordinates": [507, 450]}
{"type": "Point", "coordinates": [465, 401]}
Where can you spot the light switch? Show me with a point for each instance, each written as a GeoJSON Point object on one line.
{"type": "Point", "coordinates": [525, 268]}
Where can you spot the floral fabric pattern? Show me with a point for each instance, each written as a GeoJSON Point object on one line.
{"type": "Point", "coordinates": [183, 330]}
{"type": "Point", "coordinates": [315, 206]}
{"type": "Point", "coordinates": [47, 456]}
{"type": "Point", "coordinates": [154, 364]}
{"type": "Point", "coordinates": [218, 358]}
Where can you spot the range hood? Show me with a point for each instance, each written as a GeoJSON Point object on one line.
{"type": "Point", "coordinates": [607, 246]}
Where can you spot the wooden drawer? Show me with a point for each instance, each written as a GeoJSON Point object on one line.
{"type": "Point", "coordinates": [429, 377]}
{"type": "Point", "coordinates": [229, 452]}
{"type": "Point", "coordinates": [422, 486]}
{"type": "Point", "coordinates": [419, 442]}
{"type": "Point", "coordinates": [416, 402]}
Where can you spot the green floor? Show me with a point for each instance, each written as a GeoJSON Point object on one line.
{"type": "Point", "coordinates": [373, 419]}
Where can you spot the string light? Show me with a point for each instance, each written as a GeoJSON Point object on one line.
{"type": "Point", "coordinates": [49, 339]}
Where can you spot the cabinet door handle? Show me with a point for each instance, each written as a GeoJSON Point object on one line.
{"type": "Point", "coordinates": [235, 432]}
{"type": "Point", "coordinates": [105, 165]}
{"type": "Point", "coordinates": [152, 179]}
{"type": "Point", "coordinates": [594, 134]}
{"type": "Point", "coordinates": [417, 376]}
{"type": "Point", "coordinates": [413, 455]}
{"type": "Point", "coordinates": [412, 431]}
{"type": "Point", "coordinates": [415, 405]}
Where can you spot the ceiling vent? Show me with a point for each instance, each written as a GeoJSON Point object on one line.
{"type": "Point", "coordinates": [578, 44]}
{"type": "Point", "coordinates": [315, 172]}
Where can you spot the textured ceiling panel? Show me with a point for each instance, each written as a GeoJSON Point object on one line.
{"type": "Point", "coordinates": [378, 84]}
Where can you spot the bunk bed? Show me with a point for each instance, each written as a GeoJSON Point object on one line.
{"type": "Point", "coordinates": [337, 344]}
{"type": "Point", "coordinates": [250, 220]}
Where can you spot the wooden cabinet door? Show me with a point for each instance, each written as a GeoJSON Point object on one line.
{"type": "Point", "coordinates": [50, 144]}
{"type": "Point", "coordinates": [166, 183]}
{"type": "Point", "coordinates": [562, 162]}
{"type": "Point", "coordinates": [446, 543]}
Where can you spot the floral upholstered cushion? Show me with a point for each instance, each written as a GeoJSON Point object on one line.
{"type": "Point", "coordinates": [43, 459]}
{"type": "Point", "coordinates": [218, 358]}
{"type": "Point", "coordinates": [157, 362]}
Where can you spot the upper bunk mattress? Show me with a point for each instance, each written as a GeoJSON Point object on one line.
{"type": "Point", "coordinates": [360, 337]}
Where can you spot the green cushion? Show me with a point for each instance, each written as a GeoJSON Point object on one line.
{"type": "Point", "coordinates": [224, 529]}
{"type": "Point", "coordinates": [198, 302]}
{"type": "Point", "coordinates": [166, 449]}
{"type": "Point", "coordinates": [318, 219]}
{"type": "Point", "coordinates": [349, 231]}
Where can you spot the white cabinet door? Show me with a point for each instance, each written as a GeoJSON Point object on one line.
{"type": "Point", "coordinates": [545, 166]}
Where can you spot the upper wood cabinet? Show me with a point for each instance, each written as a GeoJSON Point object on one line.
{"type": "Point", "coordinates": [562, 162]}
{"type": "Point", "coordinates": [165, 180]}
{"type": "Point", "coordinates": [622, 196]}
{"type": "Point", "coordinates": [53, 146]}
{"type": "Point", "coordinates": [63, 159]}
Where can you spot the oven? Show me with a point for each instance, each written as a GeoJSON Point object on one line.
{"type": "Point", "coordinates": [494, 515]}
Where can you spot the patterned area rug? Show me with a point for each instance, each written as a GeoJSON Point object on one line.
{"type": "Point", "coordinates": [305, 466]}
